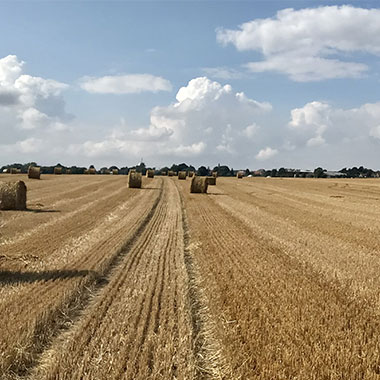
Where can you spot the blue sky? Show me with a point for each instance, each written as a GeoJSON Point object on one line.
{"type": "Point", "coordinates": [99, 83]}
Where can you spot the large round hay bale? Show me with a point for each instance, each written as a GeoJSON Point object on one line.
{"type": "Point", "coordinates": [199, 185]}
{"type": "Point", "coordinates": [34, 172]}
{"type": "Point", "coordinates": [182, 175]}
{"type": "Point", "coordinates": [170, 173]}
{"type": "Point", "coordinates": [240, 174]}
{"type": "Point", "coordinates": [13, 195]}
{"type": "Point", "coordinates": [150, 173]}
{"type": "Point", "coordinates": [214, 174]}
{"type": "Point", "coordinates": [15, 171]}
{"type": "Point", "coordinates": [115, 171]}
{"type": "Point", "coordinates": [211, 181]}
{"type": "Point", "coordinates": [163, 173]}
{"type": "Point", "coordinates": [91, 171]}
{"type": "Point", "coordinates": [134, 180]}
{"type": "Point", "coordinates": [191, 174]}
{"type": "Point", "coordinates": [58, 170]}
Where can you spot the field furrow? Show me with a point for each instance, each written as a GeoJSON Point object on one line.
{"type": "Point", "coordinates": [36, 302]}
{"type": "Point", "coordinates": [276, 316]}
{"type": "Point", "coordinates": [142, 314]}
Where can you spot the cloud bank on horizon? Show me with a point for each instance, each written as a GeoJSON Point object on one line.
{"type": "Point", "coordinates": [210, 121]}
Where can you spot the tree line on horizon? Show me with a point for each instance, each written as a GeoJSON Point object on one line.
{"type": "Point", "coordinates": [221, 170]}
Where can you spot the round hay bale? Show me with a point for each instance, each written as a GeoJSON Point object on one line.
{"type": "Point", "coordinates": [150, 173]}
{"type": "Point", "coordinates": [240, 174]}
{"type": "Point", "coordinates": [134, 180]}
{"type": "Point", "coordinates": [15, 171]}
{"type": "Point", "coordinates": [191, 174]}
{"type": "Point", "coordinates": [163, 173]}
{"type": "Point", "coordinates": [211, 181]}
{"type": "Point", "coordinates": [91, 171]}
{"type": "Point", "coordinates": [115, 171]}
{"type": "Point", "coordinates": [34, 172]}
{"type": "Point", "coordinates": [182, 175]}
{"type": "Point", "coordinates": [199, 185]}
{"type": "Point", "coordinates": [58, 170]}
{"type": "Point", "coordinates": [13, 195]}
{"type": "Point", "coordinates": [68, 171]}
{"type": "Point", "coordinates": [214, 174]}
{"type": "Point", "coordinates": [170, 173]}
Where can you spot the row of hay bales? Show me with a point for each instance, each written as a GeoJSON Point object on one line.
{"type": "Point", "coordinates": [13, 194]}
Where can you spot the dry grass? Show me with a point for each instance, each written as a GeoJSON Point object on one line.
{"type": "Point", "coordinates": [262, 280]}
{"type": "Point", "coordinates": [44, 279]}
{"type": "Point", "coordinates": [291, 297]}
{"type": "Point", "coordinates": [142, 314]}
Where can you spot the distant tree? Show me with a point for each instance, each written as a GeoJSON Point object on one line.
{"type": "Point", "coordinates": [202, 171]}
{"type": "Point", "coordinates": [282, 172]}
{"type": "Point", "coordinates": [222, 170]}
{"type": "Point", "coordinates": [273, 173]}
{"type": "Point", "coordinates": [247, 172]}
{"type": "Point", "coordinates": [319, 173]}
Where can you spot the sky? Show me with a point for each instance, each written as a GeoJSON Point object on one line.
{"type": "Point", "coordinates": [248, 84]}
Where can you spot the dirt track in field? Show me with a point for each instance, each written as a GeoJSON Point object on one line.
{"type": "Point", "coordinates": [259, 279]}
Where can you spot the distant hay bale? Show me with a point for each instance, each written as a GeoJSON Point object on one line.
{"type": "Point", "coordinates": [163, 173]}
{"type": "Point", "coordinates": [134, 180]}
{"type": "Point", "coordinates": [58, 170]}
{"type": "Point", "coordinates": [240, 174]}
{"type": "Point", "coordinates": [13, 196]}
{"type": "Point", "coordinates": [68, 171]}
{"type": "Point", "coordinates": [91, 171]}
{"type": "Point", "coordinates": [150, 173]}
{"type": "Point", "coordinates": [15, 171]}
{"type": "Point", "coordinates": [191, 174]}
{"type": "Point", "coordinates": [182, 175]}
{"type": "Point", "coordinates": [34, 172]}
{"type": "Point", "coordinates": [199, 185]}
{"type": "Point", "coordinates": [115, 171]}
{"type": "Point", "coordinates": [211, 181]}
{"type": "Point", "coordinates": [170, 173]}
{"type": "Point", "coordinates": [214, 174]}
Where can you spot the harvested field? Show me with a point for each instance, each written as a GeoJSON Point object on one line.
{"type": "Point", "coordinates": [258, 279]}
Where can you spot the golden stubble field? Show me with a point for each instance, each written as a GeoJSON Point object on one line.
{"type": "Point", "coordinates": [262, 278]}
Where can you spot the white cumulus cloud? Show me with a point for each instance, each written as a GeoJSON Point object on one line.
{"type": "Point", "coordinates": [125, 84]}
{"type": "Point", "coordinates": [207, 121]}
{"type": "Point", "coordinates": [266, 153]}
{"type": "Point", "coordinates": [318, 123]}
{"type": "Point", "coordinates": [310, 44]}
{"type": "Point", "coordinates": [31, 108]}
